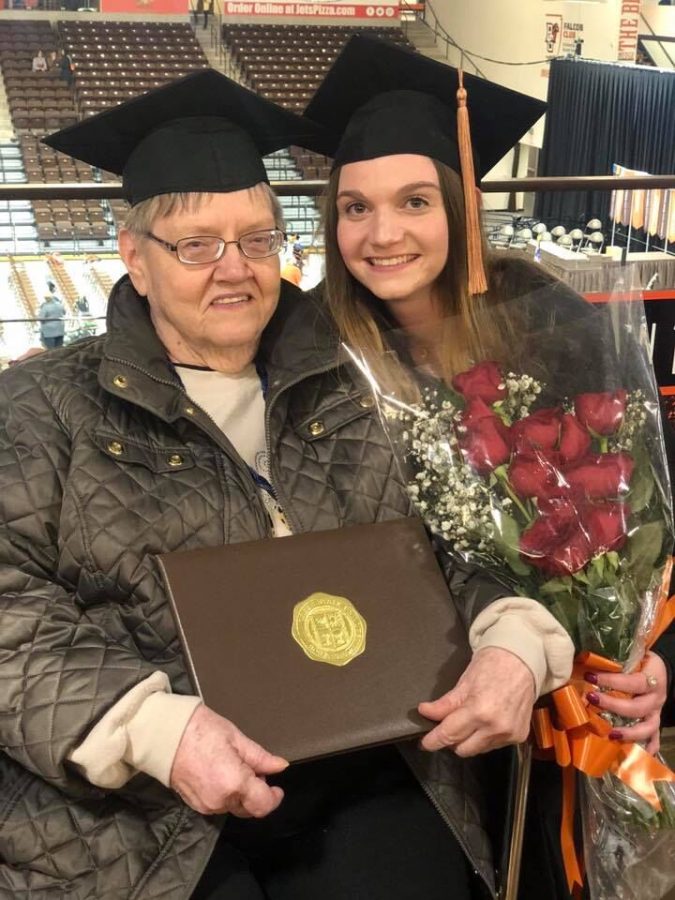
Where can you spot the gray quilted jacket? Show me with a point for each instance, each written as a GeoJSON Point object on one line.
{"type": "Point", "coordinates": [105, 462]}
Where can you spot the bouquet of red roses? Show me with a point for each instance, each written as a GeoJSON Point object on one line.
{"type": "Point", "coordinates": [565, 498]}
{"type": "Point", "coordinates": [562, 501]}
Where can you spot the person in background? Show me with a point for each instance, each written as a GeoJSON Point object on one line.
{"type": "Point", "coordinates": [82, 306]}
{"type": "Point", "coordinates": [66, 69]}
{"type": "Point", "coordinates": [52, 315]}
{"type": "Point", "coordinates": [292, 269]}
{"type": "Point", "coordinates": [208, 10]}
{"type": "Point", "coordinates": [39, 62]}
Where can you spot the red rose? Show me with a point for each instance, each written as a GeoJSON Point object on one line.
{"type": "Point", "coordinates": [600, 476]}
{"type": "Point", "coordinates": [574, 440]}
{"type": "Point", "coordinates": [484, 381]}
{"type": "Point", "coordinates": [486, 444]}
{"type": "Point", "coordinates": [601, 413]}
{"type": "Point", "coordinates": [557, 506]}
{"type": "Point", "coordinates": [539, 429]}
{"type": "Point", "coordinates": [538, 473]}
{"type": "Point", "coordinates": [556, 543]}
{"type": "Point", "coordinates": [474, 410]}
{"type": "Point", "coordinates": [606, 525]}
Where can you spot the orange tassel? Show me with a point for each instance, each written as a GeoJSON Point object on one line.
{"type": "Point", "coordinates": [474, 246]}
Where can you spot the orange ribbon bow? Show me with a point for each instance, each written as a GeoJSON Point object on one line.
{"type": "Point", "coordinates": [572, 732]}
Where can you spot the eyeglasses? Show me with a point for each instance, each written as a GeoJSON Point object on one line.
{"type": "Point", "coordinates": [200, 249]}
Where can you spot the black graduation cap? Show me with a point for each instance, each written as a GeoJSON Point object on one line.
{"type": "Point", "coordinates": [381, 98]}
{"type": "Point", "coordinates": [200, 133]}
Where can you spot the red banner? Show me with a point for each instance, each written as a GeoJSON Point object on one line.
{"type": "Point", "coordinates": [357, 10]}
{"type": "Point", "coordinates": [145, 7]}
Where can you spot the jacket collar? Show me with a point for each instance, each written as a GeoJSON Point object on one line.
{"type": "Point", "coordinates": [298, 340]}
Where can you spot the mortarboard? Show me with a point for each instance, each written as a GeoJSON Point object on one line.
{"type": "Point", "coordinates": [200, 133]}
{"type": "Point", "coordinates": [381, 99]}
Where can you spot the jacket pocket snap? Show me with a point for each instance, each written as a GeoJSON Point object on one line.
{"type": "Point", "coordinates": [325, 420]}
{"type": "Point", "coordinates": [131, 451]}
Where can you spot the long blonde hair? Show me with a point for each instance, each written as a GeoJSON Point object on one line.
{"type": "Point", "coordinates": [475, 328]}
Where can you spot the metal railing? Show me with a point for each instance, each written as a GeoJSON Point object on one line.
{"type": "Point", "coordinates": [112, 190]}
{"type": "Point", "coordinates": [660, 39]}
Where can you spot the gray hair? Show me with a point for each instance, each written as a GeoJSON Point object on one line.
{"type": "Point", "coordinates": [141, 218]}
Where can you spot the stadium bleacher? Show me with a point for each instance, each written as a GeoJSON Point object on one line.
{"type": "Point", "coordinates": [117, 60]}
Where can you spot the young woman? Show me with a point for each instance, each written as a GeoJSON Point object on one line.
{"type": "Point", "coordinates": [403, 253]}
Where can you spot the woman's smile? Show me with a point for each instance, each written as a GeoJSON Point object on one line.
{"type": "Point", "coordinates": [391, 262]}
{"type": "Point", "coordinates": [230, 301]}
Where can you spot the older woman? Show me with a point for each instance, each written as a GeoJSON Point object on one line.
{"type": "Point", "coordinates": [403, 249]}
{"type": "Point", "coordinates": [115, 449]}
{"type": "Point", "coordinates": [155, 437]}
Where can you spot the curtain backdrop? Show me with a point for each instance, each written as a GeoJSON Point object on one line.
{"type": "Point", "coordinates": [599, 114]}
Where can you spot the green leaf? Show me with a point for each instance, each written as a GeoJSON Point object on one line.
{"type": "Point", "coordinates": [613, 559]}
{"type": "Point", "coordinates": [507, 541]}
{"type": "Point", "coordinates": [564, 605]}
{"type": "Point", "coordinates": [596, 571]}
{"type": "Point", "coordinates": [642, 551]}
{"type": "Point", "coordinates": [642, 483]}
{"type": "Point", "coordinates": [556, 585]}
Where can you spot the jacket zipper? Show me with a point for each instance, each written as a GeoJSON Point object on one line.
{"type": "Point", "coordinates": [287, 508]}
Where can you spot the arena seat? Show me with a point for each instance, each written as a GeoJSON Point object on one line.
{"type": "Point", "coordinates": [135, 56]}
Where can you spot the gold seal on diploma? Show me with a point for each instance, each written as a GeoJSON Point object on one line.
{"type": "Point", "coordinates": [329, 629]}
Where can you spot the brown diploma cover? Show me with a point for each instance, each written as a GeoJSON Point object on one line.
{"type": "Point", "coordinates": [319, 643]}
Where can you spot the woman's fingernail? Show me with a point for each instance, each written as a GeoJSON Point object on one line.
{"type": "Point", "coordinates": [591, 677]}
{"type": "Point", "coordinates": [593, 698]}
{"type": "Point", "coordinates": [614, 735]}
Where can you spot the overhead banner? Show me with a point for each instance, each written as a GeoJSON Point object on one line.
{"type": "Point", "coordinates": [386, 10]}
{"type": "Point", "coordinates": [145, 7]}
{"type": "Point", "coordinates": [629, 22]}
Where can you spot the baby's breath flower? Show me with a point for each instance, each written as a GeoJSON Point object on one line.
{"type": "Point", "coordinates": [521, 393]}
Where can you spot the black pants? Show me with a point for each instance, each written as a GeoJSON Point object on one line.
{"type": "Point", "coordinates": [356, 827]}
{"type": "Point", "coordinates": [51, 342]}
{"type": "Point", "coordinates": [542, 873]}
